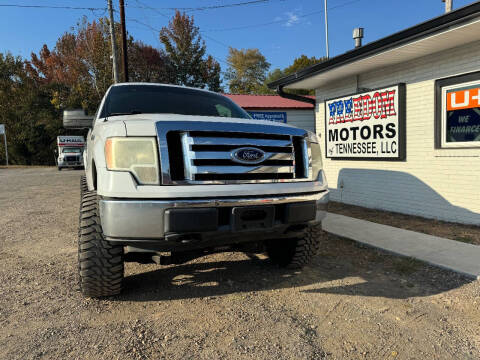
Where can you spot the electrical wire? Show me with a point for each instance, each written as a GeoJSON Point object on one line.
{"type": "Point", "coordinates": [53, 7]}
{"type": "Point", "coordinates": [211, 7]}
{"type": "Point", "coordinates": [281, 20]}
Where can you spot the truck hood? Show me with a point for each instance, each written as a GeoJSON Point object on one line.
{"type": "Point", "coordinates": [144, 124]}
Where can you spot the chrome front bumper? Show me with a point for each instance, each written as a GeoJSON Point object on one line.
{"type": "Point", "coordinates": [145, 219]}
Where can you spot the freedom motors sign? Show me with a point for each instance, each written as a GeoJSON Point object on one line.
{"type": "Point", "coordinates": [366, 126]}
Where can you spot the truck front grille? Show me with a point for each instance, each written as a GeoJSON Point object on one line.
{"type": "Point", "coordinates": [210, 156]}
{"type": "Point", "coordinates": [197, 156]}
{"type": "Point", "coordinates": [72, 158]}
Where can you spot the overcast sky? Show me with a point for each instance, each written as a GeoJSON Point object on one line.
{"type": "Point", "coordinates": [281, 29]}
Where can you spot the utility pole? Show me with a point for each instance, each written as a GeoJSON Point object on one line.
{"type": "Point", "coordinates": [326, 27]}
{"type": "Point", "coordinates": [448, 5]}
{"type": "Point", "coordinates": [114, 43]}
{"type": "Point", "coordinates": [124, 40]}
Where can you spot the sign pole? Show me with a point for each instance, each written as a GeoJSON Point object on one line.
{"type": "Point", "coordinates": [5, 142]}
{"type": "Point", "coordinates": [3, 132]}
{"type": "Point", "coordinates": [6, 150]}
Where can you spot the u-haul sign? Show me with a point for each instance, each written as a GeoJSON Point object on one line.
{"type": "Point", "coordinates": [368, 125]}
{"type": "Point", "coordinates": [463, 99]}
{"type": "Point", "coordinates": [72, 141]}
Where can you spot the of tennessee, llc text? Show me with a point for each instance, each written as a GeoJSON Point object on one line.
{"type": "Point", "coordinates": [367, 148]}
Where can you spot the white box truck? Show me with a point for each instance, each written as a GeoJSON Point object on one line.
{"type": "Point", "coordinates": [70, 152]}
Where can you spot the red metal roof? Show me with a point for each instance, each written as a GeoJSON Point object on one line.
{"type": "Point", "coordinates": [268, 102]}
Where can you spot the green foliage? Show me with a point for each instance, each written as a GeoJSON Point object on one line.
{"type": "Point", "coordinates": [247, 71]}
{"type": "Point", "coordinates": [31, 121]}
{"type": "Point", "coordinates": [187, 51]}
{"type": "Point", "coordinates": [299, 63]}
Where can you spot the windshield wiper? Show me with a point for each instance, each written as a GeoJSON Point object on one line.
{"type": "Point", "coordinates": [133, 112]}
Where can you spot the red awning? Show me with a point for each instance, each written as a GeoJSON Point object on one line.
{"type": "Point", "coordinates": [268, 102]}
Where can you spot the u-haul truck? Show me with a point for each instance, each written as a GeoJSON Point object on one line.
{"type": "Point", "coordinates": [70, 152]}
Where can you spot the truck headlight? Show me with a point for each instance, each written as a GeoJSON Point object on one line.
{"type": "Point", "coordinates": [138, 155]}
{"type": "Point", "coordinates": [316, 154]}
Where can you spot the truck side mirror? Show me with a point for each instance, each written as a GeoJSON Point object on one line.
{"type": "Point", "coordinates": [77, 119]}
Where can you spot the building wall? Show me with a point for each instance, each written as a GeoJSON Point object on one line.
{"type": "Point", "coordinates": [304, 119]}
{"type": "Point", "coordinates": [434, 183]}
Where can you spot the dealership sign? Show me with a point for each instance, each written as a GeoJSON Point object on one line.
{"type": "Point", "coordinates": [368, 125]}
{"type": "Point", "coordinates": [269, 116]}
{"type": "Point", "coordinates": [461, 115]}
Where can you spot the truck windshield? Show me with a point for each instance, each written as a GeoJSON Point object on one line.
{"type": "Point", "coordinates": [72, 150]}
{"type": "Point", "coordinates": [157, 99]}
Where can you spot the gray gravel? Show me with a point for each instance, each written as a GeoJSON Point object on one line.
{"type": "Point", "coordinates": [352, 302]}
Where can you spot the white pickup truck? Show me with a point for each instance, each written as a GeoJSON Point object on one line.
{"type": "Point", "coordinates": [187, 172]}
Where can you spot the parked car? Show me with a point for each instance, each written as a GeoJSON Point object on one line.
{"type": "Point", "coordinates": [187, 171]}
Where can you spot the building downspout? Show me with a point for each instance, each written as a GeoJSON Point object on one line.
{"type": "Point", "coordinates": [299, 98]}
{"type": "Point", "coordinates": [294, 96]}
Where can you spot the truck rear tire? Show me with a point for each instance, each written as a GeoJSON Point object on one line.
{"type": "Point", "coordinates": [100, 263]}
{"type": "Point", "coordinates": [298, 252]}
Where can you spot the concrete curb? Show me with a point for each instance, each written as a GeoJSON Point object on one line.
{"type": "Point", "coordinates": [445, 253]}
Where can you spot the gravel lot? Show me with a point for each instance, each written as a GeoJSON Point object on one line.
{"type": "Point", "coordinates": [352, 302]}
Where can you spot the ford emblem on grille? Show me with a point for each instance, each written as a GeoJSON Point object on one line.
{"type": "Point", "coordinates": [248, 155]}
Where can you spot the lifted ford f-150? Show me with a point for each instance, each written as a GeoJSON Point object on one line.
{"type": "Point", "coordinates": [187, 172]}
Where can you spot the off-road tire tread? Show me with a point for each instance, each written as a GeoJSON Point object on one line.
{"type": "Point", "coordinates": [100, 263]}
{"type": "Point", "coordinates": [306, 248]}
{"type": "Point", "coordinates": [296, 253]}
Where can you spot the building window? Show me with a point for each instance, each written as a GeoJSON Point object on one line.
{"type": "Point", "coordinates": [458, 111]}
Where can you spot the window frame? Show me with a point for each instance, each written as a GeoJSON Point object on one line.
{"type": "Point", "coordinates": [441, 88]}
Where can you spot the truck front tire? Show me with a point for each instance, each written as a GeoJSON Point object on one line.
{"type": "Point", "coordinates": [100, 263]}
{"type": "Point", "coordinates": [298, 252]}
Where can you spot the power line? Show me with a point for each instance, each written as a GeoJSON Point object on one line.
{"type": "Point", "coordinates": [203, 8]}
{"type": "Point", "coordinates": [53, 7]}
{"type": "Point", "coordinates": [282, 20]}
{"type": "Point", "coordinates": [147, 19]}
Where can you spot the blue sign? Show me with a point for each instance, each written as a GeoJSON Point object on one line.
{"type": "Point", "coordinates": [463, 125]}
{"type": "Point", "coordinates": [269, 115]}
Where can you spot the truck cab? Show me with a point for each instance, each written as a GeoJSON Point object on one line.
{"type": "Point", "coordinates": [188, 172]}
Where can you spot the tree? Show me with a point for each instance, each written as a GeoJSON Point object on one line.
{"type": "Point", "coordinates": [31, 121]}
{"type": "Point", "coordinates": [212, 74]}
{"type": "Point", "coordinates": [299, 63]}
{"type": "Point", "coordinates": [247, 70]}
{"type": "Point", "coordinates": [273, 75]}
{"type": "Point", "coordinates": [147, 64]}
{"type": "Point", "coordinates": [79, 66]}
{"type": "Point", "coordinates": [78, 71]}
{"type": "Point", "coordinates": [187, 50]}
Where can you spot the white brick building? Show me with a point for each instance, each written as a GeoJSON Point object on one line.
{"type": "Point", "coordinates": [438, 175]}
